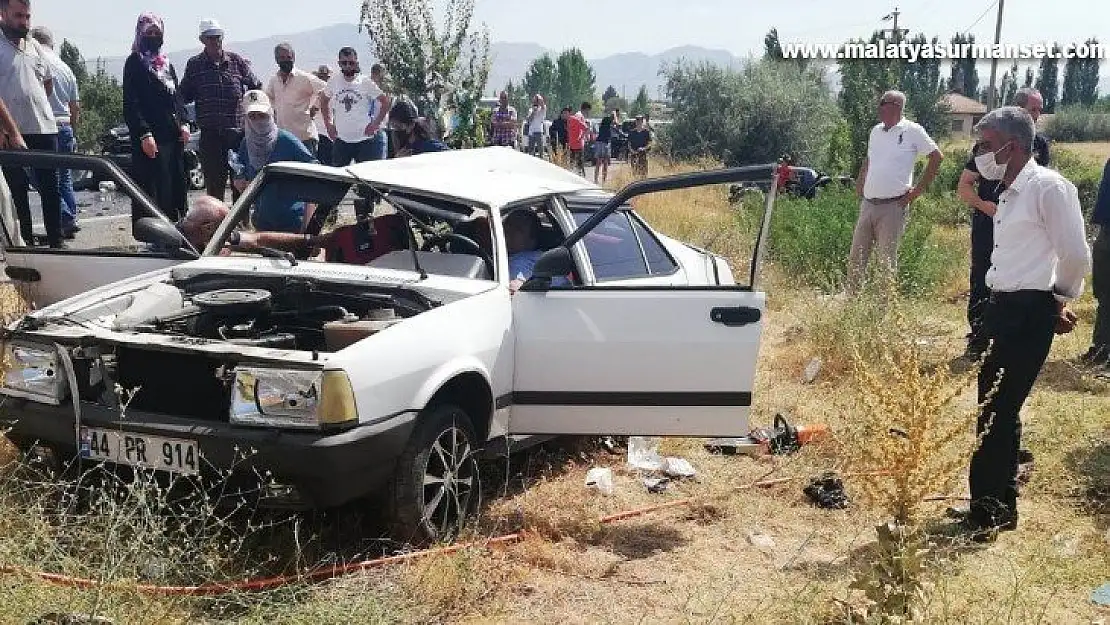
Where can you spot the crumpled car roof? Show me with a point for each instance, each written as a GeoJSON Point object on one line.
{"type": "Point", "coordinates": [491, 177]}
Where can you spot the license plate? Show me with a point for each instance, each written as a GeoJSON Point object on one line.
{"type": "Point", "coordinates": [141, 450]}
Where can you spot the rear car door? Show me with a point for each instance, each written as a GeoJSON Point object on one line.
{"type": "Point", "coordinates": [637, 357]}
{"type": "Point", "coordinates": [105, 250]}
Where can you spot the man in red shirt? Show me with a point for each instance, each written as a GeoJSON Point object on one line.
{"type": "Point", "coordinates": [578, 135]}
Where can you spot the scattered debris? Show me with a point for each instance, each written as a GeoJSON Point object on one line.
{"type": "Point", "coordinates": [1066, 546]}
{"type": "Point", "coordinates": [761, 541]}
{"type": "Point", "coordinates": [678, 467]}
{"type": "Point", "coordinates": [827, 491]}
{"type": "Point", "coordinates": [783, 438]}
{"type": "Point", "coordinates": [643, 453]}
{"type": "Point", "coordinates": [57, 618]}
{"type": "Point", "coordinates": [1101, 595]}
{"type": "Point", "coordinates": [811, 371]}
{"type": "Point", "coordinates": [609, 444]}
{"type": "Point", "coordinates": [656, 484]}
{"type": "Point", "coordinates": [600, 478]}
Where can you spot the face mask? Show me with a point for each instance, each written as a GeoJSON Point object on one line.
{"type": "Point", "coordinates": [989, 167]}
{"type": "Point", "coordinates": [151, 43]}
{"type": "Point", "coordinates": [259, 126]}
{"type": "Point", "coordinates": [285, 66]}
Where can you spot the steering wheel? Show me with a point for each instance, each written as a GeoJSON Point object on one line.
{"type": "Point", "coordinates": [439, 241]}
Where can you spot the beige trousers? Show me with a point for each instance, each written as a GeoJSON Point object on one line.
{"type": "Point", "coordinates": [879, 228]}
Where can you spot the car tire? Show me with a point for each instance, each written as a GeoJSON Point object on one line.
{"type": "Point", "coordinates": [436, 486]}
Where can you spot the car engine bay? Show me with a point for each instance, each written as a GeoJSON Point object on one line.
{"type": "Point", "coordinates": [268, 312]}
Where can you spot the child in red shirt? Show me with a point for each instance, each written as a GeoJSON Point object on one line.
{"type": "Point", "coordinates": [578, 135]}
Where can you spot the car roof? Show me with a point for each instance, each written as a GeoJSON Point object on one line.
{"type": "Point", "coordinates": [491, 177]}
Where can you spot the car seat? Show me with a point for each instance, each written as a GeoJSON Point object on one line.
{"type": "Point", "coordinates": [358, 244]}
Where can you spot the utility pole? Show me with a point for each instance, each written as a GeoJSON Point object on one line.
{"type": "Point", "coordinates": [993, 97]}
{"type": "Point", "coordinates": [896, 33]}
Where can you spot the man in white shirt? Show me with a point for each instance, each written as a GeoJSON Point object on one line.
{"type": "Point", "coordinates": [346, 104]}
{"type": "Point", "coordinates": [1039, 262]}
{"type": "Point", "coordinates": [536, 118]}
{"type": "Point", "coordinates": [885, 186]}
{"type": "Point", "coordinates": [293, 92]}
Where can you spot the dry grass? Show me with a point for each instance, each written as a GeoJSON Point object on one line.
{"type": "Point", "coordinates": [695, 562]}
{"type": "Point", "coordinates": [1097, 151]}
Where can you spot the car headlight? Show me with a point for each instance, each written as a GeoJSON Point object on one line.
{"type": "Point", "coordinates": [34, 373]}
{"type": "Point", "coordinates": [290, 398]}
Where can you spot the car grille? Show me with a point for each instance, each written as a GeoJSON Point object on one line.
{"type": "Point", "coordinates": [181, 385]}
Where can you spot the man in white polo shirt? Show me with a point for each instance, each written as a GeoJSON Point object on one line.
{"type": "Point", "coordinates": [885, 185]}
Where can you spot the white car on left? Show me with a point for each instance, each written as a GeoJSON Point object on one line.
{"type": "Point", "coordinates": [385, 368]}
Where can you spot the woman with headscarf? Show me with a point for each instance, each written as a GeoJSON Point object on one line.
{"type": "Point", "coordinates": [156, 119]}
{"type": "Point", "coordinates": [277, 208]}
{"type": "Point", "coordinates": [412, 132]}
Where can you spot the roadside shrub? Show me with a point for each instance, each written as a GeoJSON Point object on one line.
{"type": "Point", "coordinates": [1078, 124]}
{"type": "Point", "coordinates": [1083, 172]}
{"type": "Point", "coordinates": [754, 115]}
{"type": "Point", "coordinates": [810, 241]}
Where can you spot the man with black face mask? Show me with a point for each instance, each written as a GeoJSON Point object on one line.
{"type": "Point", "coordinates": [353, 120]}
{"type": "Point", "coordinates": [26, 84]}
{"type": "Point", "coordinates": [293, 92]}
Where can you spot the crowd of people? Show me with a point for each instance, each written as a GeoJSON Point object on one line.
{"type": "Point", "coordinates": [571, 135]}
{"type": "Point", "coordinates": [244, 124]}
{"type": "Point", "coordinates": [1029, 260]}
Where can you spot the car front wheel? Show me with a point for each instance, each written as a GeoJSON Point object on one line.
{"type": "Point", "coordinates": [436, 486]}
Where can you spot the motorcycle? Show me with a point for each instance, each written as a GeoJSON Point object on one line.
{"type": "Point", "coordinates": [115, 145]}
{"type": "Point", "coordinates": [803, 182]}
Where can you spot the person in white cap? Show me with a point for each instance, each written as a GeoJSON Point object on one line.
{"type": "Point", "coordinates": [216, 80]}
{"type": "Point", "coordinates": [277, 209]}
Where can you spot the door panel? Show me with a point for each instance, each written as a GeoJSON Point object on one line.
{"type": "Point", "coordinates": [636, 361]}
{"type": "Point", "coordinates": [44, 277]}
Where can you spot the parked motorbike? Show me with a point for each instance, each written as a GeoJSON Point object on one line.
{"type": "Point", "coordinates": [115, 145]}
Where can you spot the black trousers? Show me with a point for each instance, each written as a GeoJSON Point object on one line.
{"type": "Point", "coordinates": [1021, 325]}
{"type": "Point", "coordinates": [46, 181]}
{"type": "Point", "coordinates": [162, 178]}
{"type": "Point", "coordinates": [214, 144]}
{"type": "Point", "coordinates": [1100, 283]}
{"type": "Point", "coordinates": [982, 244]}
{"type": "Point", "coordinates": [323, 150]}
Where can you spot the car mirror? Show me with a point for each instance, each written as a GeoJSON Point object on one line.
{"type": "Point", "coordinates": [159, 232]}
{"type": "Point", "coordinates": [553, 263]}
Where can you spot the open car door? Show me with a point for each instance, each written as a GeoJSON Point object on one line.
{"type": "Point", "coordinates": [637, 360]}
{"type": "Point", "coordinates": [105, 251]}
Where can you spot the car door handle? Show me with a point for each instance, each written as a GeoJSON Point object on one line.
{"type": "Point", "coordinates": [735, 316]}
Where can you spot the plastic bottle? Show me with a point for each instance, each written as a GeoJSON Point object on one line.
{"type": "Point", "coordinates": [235, 163]}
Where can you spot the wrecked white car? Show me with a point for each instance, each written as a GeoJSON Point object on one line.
{"type": "Point", "coordinates": [385, 368]}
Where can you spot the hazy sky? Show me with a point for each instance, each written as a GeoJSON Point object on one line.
{"type": "Point", "coordinates": [105, 27]}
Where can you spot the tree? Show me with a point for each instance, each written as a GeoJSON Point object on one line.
{"type": "Point", "coordinates": [1047, 77]}
{"type": "Point", "coordinates": [441, 69]}
{"type": "Point", "coordinates": [922, 83]}
{"type": "Point", "coordinates": [574, 79]}
{"type": "Point", "coordinates": [616, 104]}
{"type": "Point", "coordinates": [772, 48]}
{"type": "Point", "coordinates": [1086, 77]}
{"type": "Point", "coordinates": [862, 81]}
{"type": "Point", "coordinates": [753, 115]}
{"type": "Point", "coordinates": [1029, 77]}
{"type": "Point", "coordinates": [610, 93]}
{"type": "Point", "coordinates": [518, 98]}
{"type": "Point", "coordinates": [964, 77]}
{"type": "Point", "coordinates": [541, 78]}
{"type": "Point", "coordinates": [71, 56]}
{"type": "Point", "coordinates": [101, 98]}
{"type": "Point", "coordinates": [1009, 86]}
{"type": "Point", "coordinates": [642, 104]}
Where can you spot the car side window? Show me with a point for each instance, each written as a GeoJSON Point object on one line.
{"type": "Point", "coordinates": [659, 261]}
{"type": "Point", "coordinates": [613, 248]}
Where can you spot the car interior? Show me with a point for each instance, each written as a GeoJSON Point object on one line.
{"type": "Point", "coordinates": [403, 230]}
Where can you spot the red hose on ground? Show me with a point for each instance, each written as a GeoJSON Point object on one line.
{"type": "Point", "coordinates": [325, 573]}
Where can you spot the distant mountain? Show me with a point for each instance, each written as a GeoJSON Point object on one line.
{"type": "Point", "coordinates": [626, 71]}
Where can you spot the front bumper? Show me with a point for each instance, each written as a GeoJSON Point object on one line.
{"type": "Point", "coordinates": [326, 469]}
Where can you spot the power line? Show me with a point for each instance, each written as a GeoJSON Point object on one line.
{"type": "Point", "coordinates": [980, 18]}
